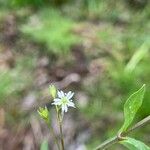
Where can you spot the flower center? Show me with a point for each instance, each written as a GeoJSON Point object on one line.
{"type": "Point", "coordinates": [64, 100]}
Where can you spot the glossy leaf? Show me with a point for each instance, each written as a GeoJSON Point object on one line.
{"type": "Point", "coordinates": [133, 144]}
{"type": "Point", "coordinates": [131, 107]}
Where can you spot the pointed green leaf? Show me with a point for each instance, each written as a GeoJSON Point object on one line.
{"type": "Point", "coordinates": [133, 144]}
{"type": "Point", "coordinates": [131, 107]}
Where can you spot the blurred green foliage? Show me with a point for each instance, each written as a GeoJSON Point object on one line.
{"type": "Point", "coordinates": [123, 36]}
{"type": "Point", "coordinates": [16, 80]}
{"type": "Point", "coordinates": [34, 3]}
{"type": "Point", "coordinates": [44, 145]}
{"type": "Point", "coordinates": [52, 29]}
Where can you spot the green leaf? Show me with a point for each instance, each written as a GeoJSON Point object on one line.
{"type": "Point", "coordinates": [133, 144]}
{"type": "Point", "coordinates": [131, 107]}
{"type": "Point", "coordinates": [44, 145]}
{"type": "Point", "coordinates": [137, 57]}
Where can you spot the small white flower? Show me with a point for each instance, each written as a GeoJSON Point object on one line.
{"type": "Point", "coordinates": [64, 100]}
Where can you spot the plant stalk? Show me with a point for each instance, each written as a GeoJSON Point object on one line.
{"type": "Point", "coordinates": [121, 136]}
{"type": "Point", "coordinates": [53, 134]}
{"type": "Point", "coordinates": [61, 132]}
{"type": "Point", "coordinates": [59, 119]}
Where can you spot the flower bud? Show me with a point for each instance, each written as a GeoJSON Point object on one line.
{"type": "Point", "coordinates": [43, 112]}
{"type": "Point", "coordinates": [53, 91]}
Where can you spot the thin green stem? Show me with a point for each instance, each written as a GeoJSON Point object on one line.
{"type": "Point", "coordinates": [107, 143]}
{"type": "Point", "coordinates": [61, 131]}
{"type": "Point", "coordinates": [139, 124]}
{"type": "Point", "coordinates": [53, 134]}
{"type": "Point", "coordinates": [121, 136]}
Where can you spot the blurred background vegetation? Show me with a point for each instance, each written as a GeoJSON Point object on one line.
{"type": "Point", "coordinates": [98, 48]}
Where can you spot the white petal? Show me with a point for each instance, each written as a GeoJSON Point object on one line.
{"type": "Point", "coordinates": [71, 104]}
{"type": "Point", "coordinates": [53, 104]}
{"type": "Point", "coordinates": [56, 103]}
{"type": "Point", "coordinates": [66, 108]}
{"type": "Point", "coordinates": [70, 95]}
{"type": "Point", "coordinates": [60, 94]}
{"type": "Point", "coordinates": [57, 100]}
{"type": "Point", "coordinates": [63, 108]}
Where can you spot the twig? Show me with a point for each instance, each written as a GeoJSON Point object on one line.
{"type": "Point", "coordinates": [139, 124]}
{"type": "Point", "coordinates": [121, 136]}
